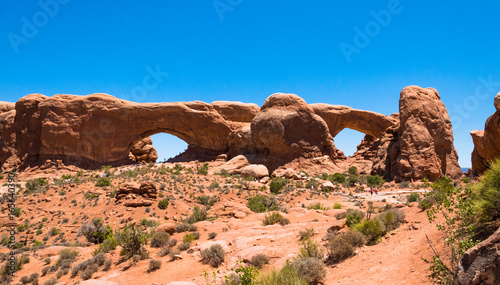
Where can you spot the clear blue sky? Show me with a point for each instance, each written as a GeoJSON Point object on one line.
{"type": "Point", "coordinates": [245, 50]}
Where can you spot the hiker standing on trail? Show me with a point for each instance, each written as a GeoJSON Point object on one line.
{"type": "Point", "coordinates": [376, 192]}
{"type": "Point", "coordinates": [371, 190]}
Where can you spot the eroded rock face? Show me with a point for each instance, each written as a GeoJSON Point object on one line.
{"type": "Point", "coordinates": [143, 151]}
{"type": "Point", "coordinates": [487, 142]}
{"type": "Point", "coordinates": [136, 195]}
{"type": "Point", "coordinates": [287, 126]}
{"type": "Point", "coordinates": [481, 264]}
{"type": "Point", "coordinates": [99, 129]}
{"type": "Point", "coordinates": [423, 145]}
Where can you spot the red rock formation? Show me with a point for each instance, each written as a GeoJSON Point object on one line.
{"type": "Point", "coordinates": [423, 145]}
{"type": "Point", "coordinates": [143, 151]}
{"type": "Point", "coordinates": [287, 127]}
{"type": "Point", "coordinates": [487, 142]}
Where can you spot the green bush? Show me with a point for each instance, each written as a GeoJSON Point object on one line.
{"type": "Point", "coordinates": [275, 218]}
{"type": "Point", "coordinates": [214, 255]}
{"type": "Point", "coordinates": [306, 234]}
{"type": "Point", "coordinates": [374, 180]}
{"type": "Point", "coordinates": [343, 246]}
{"type": "Point", "coordinates": [212, 235]}
{"type": "Point", "coordinates": [337, 178]}
{"type": "Point", "coordinates": [203, 170]}
{"type": "Point", "coordinates": [95, 231]}
{"type": "Point", "coordinates": [188, 238]}
{"type": "Point", "coordinates": [486, 194]}
{"type": "Point", "coordinates": [413, 197]}
{"type": "Point", "coordinates": [310, 249]}
{"type": "Point", "coordinates": [353, 170]}
{"type": "Point", "coordinates": [404, 185]}
{"type": "Point", "coordinates": [286, 275]}
{"type": "Point", "coordinates": [109, 244]}
{"type": "Point", "coordinates": [197, 215]}
{"type": "Point", "coordinates": [317, 206]}
{"type": "Point", "coordinates": [373, 230]}
{"type": "Point", "coordinates": [163, 204]}
{"type": "Point", "coordinates": [132, 240]}
{"type": "Point", "coordinates": [391, 219]}
{"type": "Point", "coordinates": [277, 183]}
{"type": "Point", "coordinates": [262, 203]}
{"type": "Point", "coordinates": [354, 217]}
{"type": "Point", "coordinates": [160, 239]}
{"type": "Point", "coordinates": [337, 206]}
{"type": "Point", "coordinates": [103, 181]}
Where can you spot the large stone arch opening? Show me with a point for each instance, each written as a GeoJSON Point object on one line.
{"type": "Point", "coordinates": [168, 146]}
{"type": "Point", "coordinates": [143, 149]}
{"type": "Point", "coordinates": [348, 140]}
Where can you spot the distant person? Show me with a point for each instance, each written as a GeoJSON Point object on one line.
{"type": "Point", "coordinates": [376, 192]}
{"type": "Point", "coordinates": [371, 190]}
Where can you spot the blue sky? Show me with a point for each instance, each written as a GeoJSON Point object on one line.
{"type": "Point", "coordinates": [241, 50]}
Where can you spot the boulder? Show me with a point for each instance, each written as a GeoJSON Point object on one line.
{"type": "Point", "coordinates": [167, 228]}
{"type": "Point", "coordinates": [234, 165]}
{"type": "Point", "coordinates": [328, 185]}
{"type": "Point", "coordinates": [255, 171]}
{"type": "Point", "coordinates": [481, 264]}
{"type": "Point", "coordinates": [287, 127]}
{"type": "Point", "coordinates": [143, 151]}
{"type": "Point", "coordinates": [133, 194]}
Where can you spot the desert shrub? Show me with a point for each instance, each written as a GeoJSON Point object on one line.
{"type": "Point", "coordinates": [51, 281]}
{"type": "Point", "coordinates": [212, 235]}
{"type": "Point", "coordinates": [67, 256]}
{"type": "Point", "coordinates": [310, 249]}
{"type": "Point", "coordinates": [353, 217]}
{"type": "Point", "coordinates": [259, 260]}
{"type": "Point", "coordinates": [312, 184]}
{"type": "Point", "coordinates": [149, 223]}
{"type": "Point", "coordinates": [343, 245]}
{"type": "Point", "coordinates": [45, 270]}
{"type": "Point", "coordinates": [87, 273]}
{"type": "Point", "coordinates": [337, 178]}
{"type": "Point", "coordinates": [107, 264]}
{"type": "Point", "coordinates": [109, 244]}
{"type": "Point", "coordinates": [306, 234]}
{"type": "Point", "coordinates": [160, 239]}
{"type": "Point", "coordinates": [274, 218]}
{"type": "Point", "coordinates": [373, 230]}
{"type": "Point", "coordinates": [180, 228]}
{"type": "Point", "coordinates": [164, 251]}
{"type": "Point", "coordinates": [103, 181]}
{"type": "Point", "coordinates": [132, 241]}
{"type": "Point", "coordinates": [197, 215]}
{"type": "Point", "coordinates": [277, 183]}
{"type": "Point", "coordinates": [163, 204]}
{"type": "Point", "coordinates": [95, 231]}
{"type": "Point", "coordinates": [262, 203]}
{"type": "Point", "coordinates": [203, 170]}
{"type": "Point", "coordinates": [207, 200]}
{"type": "Point", "coordinates": [486, 194]}
{"type": "Point", "coordinates": [33, 279]}
{"type": "Point", "coordinates": [184, 246]}
{"type": "Point", "coordinates": [337, 206]}
{"type": "Point", "coordinates": [214, 255]}
{"type": "Point", "coordinates": [188, 238]}
{"type": "Point", "coordinates": [154, 265]}
{"type": "Point", "coordinates": [413, 197]}
{"type": "Point", "coordinates": [465, 180]}
{"type": "Point", "coordinates": [317, 206]}
{"type": "Point", "coordinates": [286, 275]}
{"type": "Point", "coordinates": [35, 184]}
{"type": "Point", "coordinates": [374, 180]}
{"type": "Point", "coordinates": [441, 189]}
{"type": "Point", "coordinates": [311, 269]}
{"type": "Point", "coordinates": [391, 219]}
{"type": "Point", "coordinates": [404, 185]}
{"type": "Point", "coordinates": [171, 243]}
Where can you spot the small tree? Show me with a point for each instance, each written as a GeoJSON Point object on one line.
{"type": "Point", "coordinates": [132, 240]}
{"type": "Point", "coordinates": [457, 210]}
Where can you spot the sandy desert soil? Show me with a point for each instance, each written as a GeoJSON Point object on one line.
{"type": "Point", "coordinates": [65, 206]}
